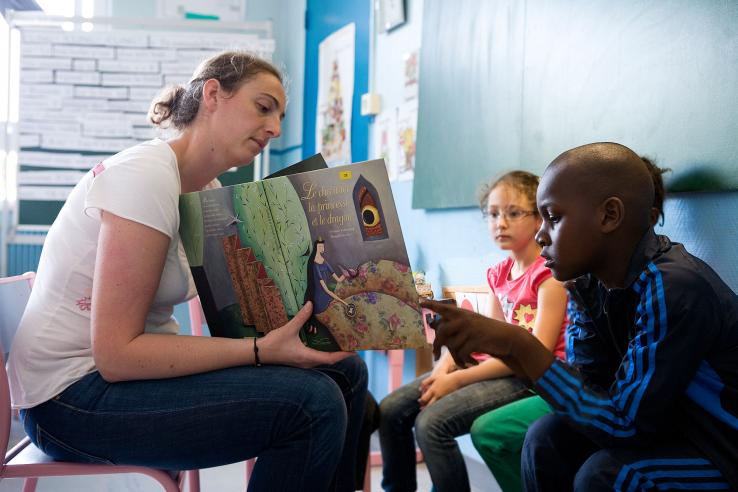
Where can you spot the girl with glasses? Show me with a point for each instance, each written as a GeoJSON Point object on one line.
{"type": "Point", "coordinates": [443, 404]}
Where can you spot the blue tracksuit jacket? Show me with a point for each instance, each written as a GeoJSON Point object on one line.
{"type": "Point", "coordinates": [655, 359]}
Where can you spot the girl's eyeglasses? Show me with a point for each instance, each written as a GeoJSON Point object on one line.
{"type": "Point", "coordinates": [510, 215]}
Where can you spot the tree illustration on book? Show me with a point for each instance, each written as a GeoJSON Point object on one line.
{"type": "Point", "coordinates": [330, 236]}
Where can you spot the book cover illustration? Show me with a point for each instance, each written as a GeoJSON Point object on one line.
{"type": "Point", "coordinates": [258, 251]}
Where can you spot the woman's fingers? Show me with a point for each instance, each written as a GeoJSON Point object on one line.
{"type": "Point", "coordinates": [317, 358]}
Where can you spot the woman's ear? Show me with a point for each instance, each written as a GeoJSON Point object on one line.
{"type": "Point", "coordinates": [210, 94]}
{"type": "Point", "coordinates": [613, 212]}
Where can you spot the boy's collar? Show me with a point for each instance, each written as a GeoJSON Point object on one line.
{"type": "Point", "coordinates": [644, 252]}
{"type": "Point", "coordinates": [646, 249]}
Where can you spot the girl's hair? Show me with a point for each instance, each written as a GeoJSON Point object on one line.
{"type": "Point", "coordinates": [523, 181]}
{"type": "Point", "coordinates": [177, 105]}
{"type": "Point", "coordinates": [656, 173]}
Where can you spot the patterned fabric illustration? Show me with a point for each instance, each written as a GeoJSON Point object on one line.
{"type": "Point", "coordinates": [377, 289]}
{"type": "Point", "coordinates": [385, 276]}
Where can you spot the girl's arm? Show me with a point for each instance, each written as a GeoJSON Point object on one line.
{"type": "Point", "coordinates": [495, 308]}
{"type": "Point", "coordinates": [551, 312]}
{"type": "Point", "coordinates": [129, 265]}
{"type": "Point", "coordinates": [547, 328]}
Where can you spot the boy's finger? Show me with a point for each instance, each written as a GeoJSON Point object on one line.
{"type": "Point", "coordinates": [439, 307]}
{"type": "Point", "coordinates": [437, 344]}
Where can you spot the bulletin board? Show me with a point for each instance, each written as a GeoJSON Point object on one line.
{"type": "Point", "coordinates": [83, 96]}
{"type": "Point", "coordinates": [322, 18]}
{"type": "Point", "coordinates": [513, 83]}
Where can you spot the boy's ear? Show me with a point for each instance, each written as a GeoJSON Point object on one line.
{"type": "Point", "coordinates": [613, 212]}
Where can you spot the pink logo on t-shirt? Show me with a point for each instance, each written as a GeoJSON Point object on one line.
{"type": "Point", "coordinates": [98, 169]}
{"type": "Point", "coordinates": [84, 303]}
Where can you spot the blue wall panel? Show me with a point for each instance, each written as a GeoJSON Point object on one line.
{"type": "Point", "coordinates": [323, 17]}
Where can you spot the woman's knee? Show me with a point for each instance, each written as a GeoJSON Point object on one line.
{"type": "Point", "coordinates": [323, 402]}
{"type": "Point", "coordinates": [355, 370]}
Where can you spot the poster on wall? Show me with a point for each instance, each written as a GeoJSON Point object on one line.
{"type": "Point", "coordinates": [385, 141]}
{"type": "Point", "coordinates": [335, 95]}
{"type": "Point", "coordinates": [411, 75]}
{"type": "Point", "coordinates": [407, 125]}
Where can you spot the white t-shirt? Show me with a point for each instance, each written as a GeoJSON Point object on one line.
{"type": "Point", "coordinates": [52, 349]}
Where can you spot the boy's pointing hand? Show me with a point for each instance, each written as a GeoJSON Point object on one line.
{"type": "Point", "coordinates": [464, 332]}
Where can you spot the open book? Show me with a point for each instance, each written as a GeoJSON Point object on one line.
{"type": "Point", "coordinates": [258, 251]}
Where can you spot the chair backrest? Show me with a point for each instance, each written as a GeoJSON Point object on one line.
{"type": "Point", "coordinates": [14, 294]}
{"type": "Point", "coordinates": [197, 318]}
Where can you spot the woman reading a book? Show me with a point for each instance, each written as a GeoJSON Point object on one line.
{"type": "Point", "coordinates": [97, 367]}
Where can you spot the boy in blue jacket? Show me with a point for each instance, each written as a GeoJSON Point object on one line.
{"type": "Point", "coordinates": [649, 397]}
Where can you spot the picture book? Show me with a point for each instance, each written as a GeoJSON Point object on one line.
{"type": "Point", "coordinates": [258, 251]}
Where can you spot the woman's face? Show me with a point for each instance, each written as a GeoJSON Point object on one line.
{"type": "Point", "coordinates": [245, 120]}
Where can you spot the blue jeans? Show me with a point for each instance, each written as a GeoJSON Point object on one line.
{"type": "Point", "coordinates": [436, 429]}
{"type": "Point", "coordinates": [303, 424]}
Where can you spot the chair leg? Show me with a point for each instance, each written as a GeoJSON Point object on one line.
{"type": "Point", "coordinates": [193, 480]}
{"type": "Point", "coordinates": [250, 469]}
{"type": "Point", "coordinates": [368, 476]}
{"type": "Point", "coordinates": [29, 484]}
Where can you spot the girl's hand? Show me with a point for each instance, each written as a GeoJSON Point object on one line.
{"type": "Point", "coordinates": [427, 382]}
{"type": "Point", "coordinates": [441, 386]}
{"type": "Point", "coordinates": [283, 345]}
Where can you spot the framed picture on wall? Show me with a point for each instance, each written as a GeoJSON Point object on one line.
{"type": "Point", "coordinates": [391, 14]}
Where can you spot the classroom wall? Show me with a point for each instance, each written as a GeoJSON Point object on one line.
{"type": "Point", "coordinates": [288, 23]}
{"type": "Point", "coordinates": [453, 245]}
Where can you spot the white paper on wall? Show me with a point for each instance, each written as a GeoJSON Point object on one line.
{"type": "Point", "coordinates": [385, 141]}
{"type": "Point", "coordinates": [336, 56]}
{"type": "Point", "coordinates": [483, 306]}
{"type": "Point", "coordinates": [407, 130]}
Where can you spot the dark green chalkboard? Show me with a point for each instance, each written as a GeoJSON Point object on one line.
{"type": "Point", "coordinates": [512, 83]}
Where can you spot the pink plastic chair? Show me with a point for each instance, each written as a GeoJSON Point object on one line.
{"type": "Point", "coordinates": [25, 460]}
{"type": "Point", "coordinates": [197, 319]}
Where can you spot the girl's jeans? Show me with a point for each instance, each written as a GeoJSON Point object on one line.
{"type": "Point", "coordinates": [436, 428]}
{"type": "Point", "coordinates": [303, 424]}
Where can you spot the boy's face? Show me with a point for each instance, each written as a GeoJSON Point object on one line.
{"type": "Point", "coordinates": [569, 233]}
